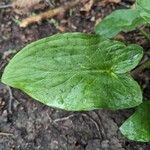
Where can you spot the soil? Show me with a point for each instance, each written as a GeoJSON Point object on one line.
{"type": "Point", "coordinates": [26, 124]}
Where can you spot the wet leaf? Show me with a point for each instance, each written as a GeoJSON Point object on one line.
{"type": "Point", "coordinates": [76, 71]}
{"type": "Point", "coordinates": [137, 127]}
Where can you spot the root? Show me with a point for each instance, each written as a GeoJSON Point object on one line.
{"type": "Point", "coordinates": [10, 100]}
{"type": "Point", "coordinates": [94, 122]}
{"type": "Point", "coordinates": [6, 134]}
{"type": "Point", "coordinates": [64, 118]}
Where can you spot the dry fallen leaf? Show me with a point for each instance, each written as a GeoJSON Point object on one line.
{"type": "Point", "coordinates": [112, 1]}
{"type": "Point", "coordinates": [88, 5]}
{"type": "Point", "coordinates": [25, 6]}
{"type": "Point", "coordinates": [48, 14]}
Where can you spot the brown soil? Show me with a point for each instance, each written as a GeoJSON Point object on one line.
{"type": "Point", "coordinates": [28, 124]}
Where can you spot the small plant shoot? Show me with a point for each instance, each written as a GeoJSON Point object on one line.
{"type": "Point", "coordinates": [81, 72]}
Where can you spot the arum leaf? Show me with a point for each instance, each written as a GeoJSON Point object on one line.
{"type": "Point", "coordinates": [137, 127]}
{"type": "Point", "coordinates": [76, 71]}
{"type": "Point", "coordinates": [119, 20]}
{"type": "Point", "coordinates": [144, 8]}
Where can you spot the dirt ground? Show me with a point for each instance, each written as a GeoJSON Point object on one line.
{"type": "Point", "coordinates": [26, 124]}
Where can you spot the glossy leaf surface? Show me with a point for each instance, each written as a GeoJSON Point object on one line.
{"type": "Point", "coordinates": [119, 20]}
{"type": "Point", "coordinates": [76, 71]}
{"type": "Point", "coordinates": [137, 127]}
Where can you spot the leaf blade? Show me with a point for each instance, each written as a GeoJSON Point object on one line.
{"type": "Point", "coordinates": [120, 20]}
{"type": "Point", "coordinates": [137, 127]}
{"type": "Point", "coordinates": [70, 71]}
{"type": "Point", "coordinates": [143, 6]}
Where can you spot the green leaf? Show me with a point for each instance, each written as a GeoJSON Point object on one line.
{"type": "Point", "coordinates": [137, 127]}
{"type": "Point", "coordinates": [143, 6]}
{"type": "Point", "coordinates": [120, 20]}
{"type": "Point", "coordinates": [76, 71]}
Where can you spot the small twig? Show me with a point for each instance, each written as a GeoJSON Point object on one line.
{"type": "Point", "coordinates": [48, 14]}
{"type": "Point", "coordinates": [124, 5]}
{"type": "Point", "coordinates": [50, 119]}
{"type": "Point", "coordinates": [6, 134]}
{"type": "Point", "coordinates": [2, 65]}
{"type": "Point", "coordinates": [63, 119]}
{"type": "Point", "coordinates": [10, 100]}
{"type": "Point", "coordinates": [8, 53]}
{"type": "Point", "coordinates": [6, 6]}
{"type": "Point", "coordinates": [49, 3]}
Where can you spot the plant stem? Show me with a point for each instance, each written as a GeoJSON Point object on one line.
{"type": "Point", "coordinates": [145, 65]}
{"type": "Point", "coordinates": [147, 35]}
